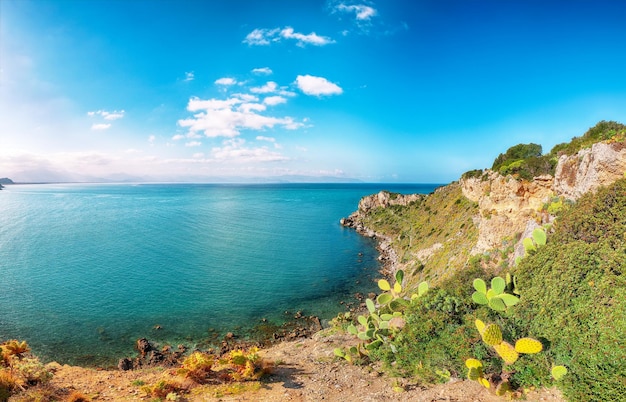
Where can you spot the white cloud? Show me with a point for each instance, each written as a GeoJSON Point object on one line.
{"type": "Point", "coordinates": [193, 144]}
{"type": "Point", "coordinates": [271, 86]}
{"type": "Point", "coordinates": [114, 115]}
{"type": "Point", "coordinates": [249, 107]}
{"type": "Point", "coordinates": [100, 126]}
{"type": "Point", "coordinates": [178, 137]}
{"type": "Point", "coordinates": [226, 81]}
{"type": "Point", "coordinates": [262, 71]}
{"type": "Point", "coordinates": [310, 39]}
{"type": "Point", "coordinates": [274, 100]}
{"type": "Point", "coordinates": [263, 37]}
{"type": "Point", "coordinates": [235, 151]}
{"type": "Point", "coordinates": [151, 139]}
{"type": "Point", "coordinates": [263, 138]}
{"type": "Point", "coordinates": [317, 86]}
{"type": "Point", "coordinates": [226, 118]}
{"type": "Point", "coordinates": [198, 155]}
{"type": "Point", "coordinates": [189, 76]}
{"type": "Point", "coordinates": [361, 11]}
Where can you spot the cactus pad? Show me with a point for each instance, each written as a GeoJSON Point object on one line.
{"type": "Point", "coordinates": [497, 304]}
{"type": "Point", "coordinates": [503, 388]}
{"type": "Point", "coordinates": [422, 289]}
{"type": "Point", "coordinates": [474, 374]}
{"type": "Point", "coordinates": [507, 352]}
{"type": "Point", "coordinates": [370, 305]}
{"type": "Point", "coordinates": [492, 334]}
{"type": "Point", "coordinates": [384, 298]}
{"type": "Point", "coordinates": [480, 325]}
{"type": "Point", "coordinates": [479, 298]}
{"type": "Point", "coordinates": [473, 363]}
{"type": "Point", "coordinates": [384, 285]}
{"type": "Point", "coordinates": [539, 236]}
{"type": "Point", "coordinates": [498, 285]}
{"type": "Point", "coordinates": [528, 346]}
{"type": "Point", "coordinates": [508, 299]}
{"type": "Point", "coordinates": [558, 372]}
{"type": "Point", "coordinates": [480, 285]}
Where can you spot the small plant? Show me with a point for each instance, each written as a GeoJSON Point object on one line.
{"type": "Point", "coordinates": [491, 334]}
{"type": "Point", "coordinates": [384, 318]}
{"type": "Point", "coordinates": [162, 389]}
{"type": "Point", "coordinates": [537, 239]}
{"type": "Point", "coordinates": [246, 365]}
{"type": "Point", "coordinates": [495, 298]}
{"type": "Point", "coordinates": [14, 348]}
{"type": "Point", "coordinates": [77, 396]}
{"type": "Point", "coordinates": [198, 367]}
{"type": "Point", "coordinates": [558, 372]}
{"type": "Point", "coordinates": [475, 372]}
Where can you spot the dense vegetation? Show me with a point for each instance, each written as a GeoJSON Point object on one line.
{"type": "Point", "coordinates": [526, 161]}
{"type": "Point", "coordinates": [572, 289]}
{"type": "Point", "coordinates": [573, 299]}
{"type": "Point", "coordinates": [442, 222]}
{"type": "Point", "coordinates": [574, 295]}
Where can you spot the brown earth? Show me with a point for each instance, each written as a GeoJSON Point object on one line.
{"type": "Point", "coordinates": [305, 370]}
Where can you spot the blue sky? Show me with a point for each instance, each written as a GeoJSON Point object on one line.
{"type": "Point", "coordinates": [379, 91]}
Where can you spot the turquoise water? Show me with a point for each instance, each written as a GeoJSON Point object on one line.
{"type": "Point", "coordinates": [85, 270]}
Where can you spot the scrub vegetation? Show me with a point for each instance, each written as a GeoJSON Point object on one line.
{"type": "Point", "coordinates": [556, 318]}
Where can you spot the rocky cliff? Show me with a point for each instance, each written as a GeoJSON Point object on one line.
{"type": "Point", "coordinates": [509, 207]}
{"type": "Point", "coordinates": [505, 210]}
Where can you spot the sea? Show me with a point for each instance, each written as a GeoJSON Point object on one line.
{"type": "Point", "coordinates": [87, 269]}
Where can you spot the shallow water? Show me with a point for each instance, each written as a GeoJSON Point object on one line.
{"type": "Point", "coordinates": [85, 270]}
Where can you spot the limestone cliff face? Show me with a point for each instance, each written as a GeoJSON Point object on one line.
{"type": "Point", "coordinates": [506, 205]}
{"type": "Point", "coordinates": [600, 165]}
{"type": "Point", "coordinates": [505, 208]}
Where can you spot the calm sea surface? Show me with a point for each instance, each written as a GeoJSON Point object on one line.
{"type": "Point", "coordinates": [85, 270]}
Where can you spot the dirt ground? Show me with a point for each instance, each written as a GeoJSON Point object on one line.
{"type": "Point", "coordinates": [305, 370]}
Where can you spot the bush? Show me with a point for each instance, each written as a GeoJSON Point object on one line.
{"type": "Point", "coordinates": [439, 333]}
{"type": "Point", "coordinates": [516, 153]}
{"type": "Point", "coordinates": [603, 131]}
{"type": "Point", "coordinates": [574, 296]}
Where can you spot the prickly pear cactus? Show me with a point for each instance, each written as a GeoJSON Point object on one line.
{"type": "Point", "coordinates": [492, 335]}
{"type": "Point", "coordinates": [495, 297]}
{"type": "Point", "coordinates": [507, 352]}
{"type": "Point", "coordinates": [528, 346]}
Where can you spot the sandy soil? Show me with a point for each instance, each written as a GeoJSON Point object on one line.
{"type": "Point", "coordinates": [306, 370]}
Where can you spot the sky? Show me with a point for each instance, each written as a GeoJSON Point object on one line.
{"type": "Point", "coordinates": [309, 90]}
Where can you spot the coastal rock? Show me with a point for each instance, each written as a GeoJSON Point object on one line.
{"type": "Point", "coordinates": [506, 205]}
{"type": "Point", "coordinates": [600, 165]}
{"type": "Point", "coordinates": [125, 364]}
{"type": "Point", "coordinates": [385, 199]}
{"type": "Point", "coordinates": [143, 346]}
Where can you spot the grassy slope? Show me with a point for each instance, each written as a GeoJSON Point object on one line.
{"type": "Point", "coordinates": [573, 290]}
{"type": "Point", "coordinates": [444, 217]}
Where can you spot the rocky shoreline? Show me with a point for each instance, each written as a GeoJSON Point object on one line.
{"type": "Point", "coordinates": [388, 256]}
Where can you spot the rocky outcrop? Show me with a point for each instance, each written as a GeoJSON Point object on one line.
{"type": "Point", "coordinates": [388, 256]}
{"type": "Point", "coordinates": [371, 202]}
{"type": "Point", "coordinates": [506, 205]}
{"type": "Point", "coordinates": [600, 165]}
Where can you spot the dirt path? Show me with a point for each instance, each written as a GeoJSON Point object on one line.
{"type": "Point", "coordinates": [306, 370]}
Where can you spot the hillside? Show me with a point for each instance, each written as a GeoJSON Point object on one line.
{"type": "Point", "coordinates": [568, 292]}
{"type": "Point", "coordinates": [565, 296]}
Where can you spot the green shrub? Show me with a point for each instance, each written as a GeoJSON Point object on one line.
{"type": "Point", "coordinates": [603, 131]}
{"type": "Point", "coordinates": [574, 296]}
{"type": "Point", "coordinates": [439, 333]}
